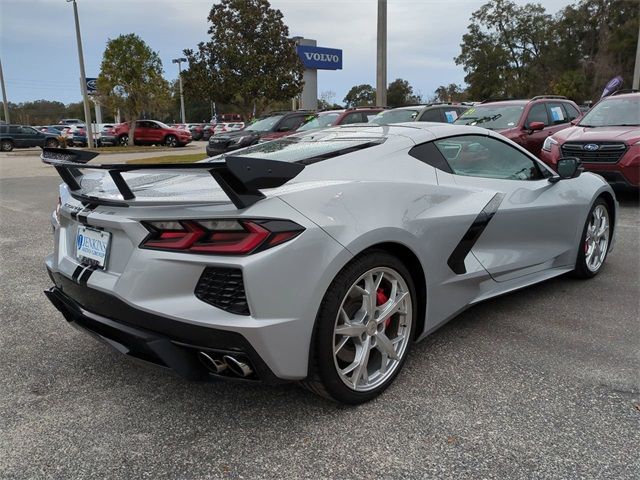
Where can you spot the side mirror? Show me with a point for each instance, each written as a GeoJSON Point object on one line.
{"type": "Point", "coordinates": [536, 126]}
{"type": "Point", "coordinates": [567, 167]}
{"type": "Point", "coordinates": [574, 121]}
{"type": "Point", "coordinates": [284, 129]}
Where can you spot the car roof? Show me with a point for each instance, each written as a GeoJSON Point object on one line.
{"type": "Point", "coordinates": [622, 95]}
{"type": "Point", "coordinates": [417, 131]}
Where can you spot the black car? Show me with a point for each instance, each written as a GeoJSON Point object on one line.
{"type": "Point", "coordinates": [21, 136]}
{"type": "Point", "coordinates": [275, 123]}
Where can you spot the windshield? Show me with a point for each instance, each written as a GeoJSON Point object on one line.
{"type": "Point", "coordinates": [493, 117]}
{"type": "Point", "coordinates": [395, 116]}
{"type": "Point", "coordinates": [264, 124]}
{"type": "Point", "coordinates": [163, 125]}
{"type": "Point", "coordinates": [614, 112]}
{"type": "Point", "coordinates": [308, 148]}
{"type": "Point", "coordinates": [321, 121]}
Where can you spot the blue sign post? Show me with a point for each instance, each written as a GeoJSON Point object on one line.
{"type": "Point", "coordinates": [320, 58]}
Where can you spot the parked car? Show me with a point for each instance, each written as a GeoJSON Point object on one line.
{"type": "Point", "coordinates": [431, 112]}
{"type": "Point", "coordinates": [70, 121]}
{"type": "Point", "coordinates": [197, 130]}
{"type": "Point", "coordinates": [606, 140]}
{"type": "Point", "coordinates": [332, 118]}
{"type": "Point", "coordinates": [387, 233]}
{"type": "Point", "coordinates": [227, 118]}
{"type": "Point", "coordinates": [147, 132]}
{"type": "Point", "coordinates": [526, 122]}
{"type": "Point", "coordinates": [278, 123]}
{"type": "Point", "coordinates": [76, 135]}
{"type": "Point", "coordinates": [23, 136]}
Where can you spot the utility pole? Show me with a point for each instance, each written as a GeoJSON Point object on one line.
{"type": "Point", "coordinates": [179, 62]}
{"type": "Point", "coordinates": [5, 104]}
{"type": "Point", "coordinates": [381, 60]}
{"type": "Point", "coordinates": [636, 70]}
{"type": "Point", "coordinates": [83, 78]}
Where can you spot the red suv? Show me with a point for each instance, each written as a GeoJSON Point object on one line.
{"type": "Point", "coordinates": [147, 132]}
{"type": "Point", "coordinates": [526, 122]}
{"type": "Point", "coordinates": [606, 140]}
{"type": "Point", "coordinates": [331, 118]}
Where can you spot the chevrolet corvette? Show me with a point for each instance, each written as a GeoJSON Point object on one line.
{"type": "Point", "coordinates": [318, 258]}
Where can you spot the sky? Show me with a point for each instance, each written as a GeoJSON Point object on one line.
{"type": "Point", "coordinates": [40, 60]}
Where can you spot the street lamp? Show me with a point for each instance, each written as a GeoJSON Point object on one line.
{"type": "Point", "coordinates": [83, 78]}
{"type": "Point", "coordinates": [179, 62]}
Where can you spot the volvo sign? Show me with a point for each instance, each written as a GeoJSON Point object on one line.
{"type": "Point", "coordinates": [320, 58]}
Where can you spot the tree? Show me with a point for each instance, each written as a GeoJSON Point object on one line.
{"type": "Point", "coordinates": [450, 93]}
{"type": "Point", "coordinates": [520, 51]}
{"type": "Point", "coordinates": [131, 79]}
{"type": "Point", "coordinates": [249, 59]}
{"type": "Point", "coordinates": [400, 93]}
{"type": "Point", "coordinates": [360, 95]}
{"type": "Point", "coordinates": [326, 102]}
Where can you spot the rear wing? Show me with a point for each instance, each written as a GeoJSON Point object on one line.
{"type": "Point", "coordinates": [241, 178]}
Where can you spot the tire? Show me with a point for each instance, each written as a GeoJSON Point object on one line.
{"type": "Point", "coordinates": [6, 145]}
{"type": "Point", "coordinates": [345, 299]}
{"type": "Point", "coordinates": [52, 143]}
{"type": "Point", "coordinates": [171, 141]}
{"type": "Point", "coordinates": [123, 140]}
{"type": "Point", "coordinates": [595, 241]}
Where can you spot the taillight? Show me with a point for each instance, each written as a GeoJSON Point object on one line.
{"type": "Point", "coordinates": [220, 237]}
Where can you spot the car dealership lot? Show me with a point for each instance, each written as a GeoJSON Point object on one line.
{"type": "Point", "coordinates": [539, 383]}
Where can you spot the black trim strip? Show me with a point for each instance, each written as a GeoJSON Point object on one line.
{"type": "Point", "coordinates": [84, 278]}
{"type": "Point", "coordinates": [457, 257]}
{"type": "Point", "coordinates": [77, 272]}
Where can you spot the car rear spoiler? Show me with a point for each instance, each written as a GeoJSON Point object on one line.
{"type": "Point", "coordinates": [241, 178]}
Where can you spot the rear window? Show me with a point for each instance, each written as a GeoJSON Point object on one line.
{"type": "Point", "coordinates": [307, 149]}
{"type": "Point", "coordinates": [395, 116]}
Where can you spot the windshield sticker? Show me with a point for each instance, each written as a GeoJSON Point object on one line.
{"type": "Point", "coordinates": [557, 114]}
{"type": "Point", "coordinates": [511, 124]}
{"type": "Point", "coordinates": [451, 116]}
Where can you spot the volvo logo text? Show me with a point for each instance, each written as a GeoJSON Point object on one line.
{"type": "Point", "coordinates": [322, 57]}
{"type": "Point", "coordinates": [591, 147]}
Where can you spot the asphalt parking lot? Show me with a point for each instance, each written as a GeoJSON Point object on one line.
{"type": "Point", "coordinates": [541, 383]}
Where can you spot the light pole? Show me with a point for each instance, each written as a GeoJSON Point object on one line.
{"type": "Point", "coordinates": [179, 62]}
{"type": "Point", "coordinates": [636, 70]}
{"type": "Point", "coordinates": [381, 60]}
{"type": "Point", "coordinates": [4, 97]}
{"type": "Point", "coordinates": [83, 78]}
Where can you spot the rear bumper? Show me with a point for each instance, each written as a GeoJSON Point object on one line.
{"type": "Point", "coordinates": [151, 338]}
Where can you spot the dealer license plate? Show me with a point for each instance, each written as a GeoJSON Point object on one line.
{"type": "Point", "coordinates": [92, 246]}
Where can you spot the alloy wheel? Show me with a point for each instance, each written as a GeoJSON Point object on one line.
{"type": "Point", "coordinates": [372, 329]}
{"type": "Point", "coordinates": [596, 241]}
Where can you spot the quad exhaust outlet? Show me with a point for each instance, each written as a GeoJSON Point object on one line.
{"type": "Point", "coordinates": [213, 364]}
{"type": "Point", "coordinates": [236, 366]}
{"type": "Point", "coordinates": [218, 366]}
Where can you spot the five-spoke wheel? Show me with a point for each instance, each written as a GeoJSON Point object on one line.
{"type": "Point", "coordinates": [595, 241]}
{"type": "Point", "coordinates": [364, 329]}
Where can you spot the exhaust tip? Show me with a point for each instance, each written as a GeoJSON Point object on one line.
{"type": "Point", "coordinates": [236, 366]}
{"type": "Point", "coordinates": [213, 365]}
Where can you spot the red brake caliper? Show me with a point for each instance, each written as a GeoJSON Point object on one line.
{"type": "Point", "coordinates": [382, 298]}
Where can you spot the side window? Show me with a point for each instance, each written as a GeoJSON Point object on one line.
{"type": "Point", "coordinates": [355, 117]}
{"type": "Point", "coordinates": [432, 115]}
{"type": "Point", "coordinates": [557, 114]}
{"type": "Point", "coordinates": [480, 156]}
{"type": "Point", "coordinates": [538, 113]}
{"type": "Point", "coordinates": [291, 123]}
{"type": "Point", "coordinates": [571, 111]}
{"type": "Point", "coordinates": [14, 129]}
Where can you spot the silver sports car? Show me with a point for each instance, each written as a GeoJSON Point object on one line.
{"type": "Point", "coordinates": [317, 258]}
